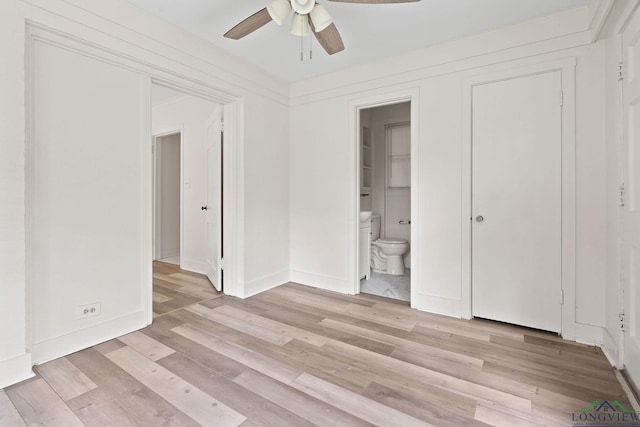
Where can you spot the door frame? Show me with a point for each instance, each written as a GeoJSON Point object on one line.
{"type": "Point", "coordinates": [232, 166]}
{"type": "Point", "coordinates": [411, 95]}
{"type": "Point", "coordinates": [569, 326]}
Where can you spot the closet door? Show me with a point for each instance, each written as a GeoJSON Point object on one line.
{"type": "Point", "coordinates": [516, 201]}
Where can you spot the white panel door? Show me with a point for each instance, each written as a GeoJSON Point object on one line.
{"type": "Point", "coordinates": [631, 221]}
{"type": "Point", "coordinates": [214, 200]}
{"type": "Point", "coordinates": [516, 201]}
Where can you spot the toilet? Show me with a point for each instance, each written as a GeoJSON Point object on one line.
{"type": "Point", "coordinates": [386, 253]}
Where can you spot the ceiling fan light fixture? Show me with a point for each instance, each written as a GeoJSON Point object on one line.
{"type": "Point", "coordinates": [279, 10]}
{"type": "Point", "coordinates": [300, 25]}
{"type": "Point", "coordinates": [320, 18]}
{"type": "Point", "coordinates": [303, 7]}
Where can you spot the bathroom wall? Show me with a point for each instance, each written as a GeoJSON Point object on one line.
{"type": "Point", "coordinates": [399, 199]}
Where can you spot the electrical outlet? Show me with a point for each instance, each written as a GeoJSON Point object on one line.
{"type": "Point", "coordinates": [89, 310]}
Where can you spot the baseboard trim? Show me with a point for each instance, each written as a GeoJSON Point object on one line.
{"type": "Point", "coordinates": [16, 369]}
{"type": "Point", "coordinates": [588, 334]}
{"type": "Point", "coordinates": [84, 338]}
{"type": "Point", "coordinates": [170, 253]}
{"type": "Point", "coordinates": [321, 282]}
{"type": "Point", "coordinates": [437, 305]}
{"type": "Point", "coordinates": [610, 357]}
{"type": "Point", "coordinates": [194, 266]}
{"type": "Point", "coordinates": [629, 388]}
{"type": "Point", "coordinates": [264, 283]}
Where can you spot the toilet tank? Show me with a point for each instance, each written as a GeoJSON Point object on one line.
{"type": "Point", "coordinates": [375, 227]}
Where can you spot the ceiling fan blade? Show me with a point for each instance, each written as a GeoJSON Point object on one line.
{"type": "Point", "coordinates": [329, 38]}
{"type": "Point", "coordinates": [249, 25]}
{"type": "Point", "coordinates": [375, 1]}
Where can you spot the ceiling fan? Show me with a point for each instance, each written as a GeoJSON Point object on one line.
{"type": "Point", "coordinates": [307, 16]}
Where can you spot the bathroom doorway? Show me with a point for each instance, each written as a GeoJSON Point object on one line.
{"type": "Point", "coordinates": [167, 206]}
{"type": "Point", "coordinates": [385, 200]}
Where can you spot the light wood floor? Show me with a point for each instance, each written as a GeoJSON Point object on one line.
{"type": "Point", "coordinates": [298, 356]}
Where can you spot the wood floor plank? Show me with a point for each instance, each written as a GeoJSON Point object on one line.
{"type": "Point", "coordinates": [104, 414]}
{"type": "Point", "coordinates": [109, 346]}
{"type": "Point", "coordinates": [189, 399]}
{"type": "Point", "coordinates": [249, 305]}
{"type": "Point", "coordinates": [447, 382]}
{"type": "Point", "coordinates": [232, 394]}
{"type": "Point", "coordinates": [493, 416]}
{"type": "Point", "coordinates": [38, 404]}
{"type": "Point", "coordinates": [221, 364]}
{"type": "Point", "coordinates": [9, 415]}
{"type": "Point", "coordinates": [278, 327]}
{"type": "Point", "coordinates": [65, 379]}
{"type": "Point", "coordinates": [160, 298]}
{"type": "Point", "coordinates": [459, 330]}
{"type": "Point", "coordinates": [411, 403]}
{"type": "Point", "coordinates": [146, 346]}
{"type": "Point", "coordinates": [140, 404]}
{"type": "Point", "coordinates": [402, 343]}
{"type": "Point", "coordinates": [311, 409]}
{"type": "Point", "coordinates": [248, 328]}
{"type": "Point", "coordinates": [335, 296]}
{"type": "Point", "coordinates": [581, 388]}
{"type": "Point", "coordinates": [356, 404]}
{"type": "Point", "coordinates": [250, 358]}
{"type": "Point", "coordinates": [378, 314]}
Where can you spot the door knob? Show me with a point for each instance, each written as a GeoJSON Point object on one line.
{"type": "Point", "coordinates": [204, 208]}
{"type": "Point", "coordinates": [479, 218]}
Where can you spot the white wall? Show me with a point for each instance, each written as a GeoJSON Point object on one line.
{"type": "Point", "coordinates": [89, 242]}
{"type": "Point", "coordinates": [190, 116]}
{"type": "Point", "coordinates": [168, 202]}
{"type": "Point", "coordinates": [266, 201]}
{"type": "Point", "coordinates": [15, 362]}
{"type": "Point", "coordinates": [320, 117]}
{"type": "Point", "coordinates": [164, 52]}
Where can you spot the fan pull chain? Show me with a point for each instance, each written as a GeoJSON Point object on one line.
{"type": "Point", "coordinates": [310, 44]}
{"type": "Point", "coordinates": [301, 40]}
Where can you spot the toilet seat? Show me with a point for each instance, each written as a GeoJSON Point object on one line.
{"type": "Point", "coordinates": [391, 241]}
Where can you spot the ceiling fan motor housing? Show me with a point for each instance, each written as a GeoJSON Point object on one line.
{"type": "Point", "coordinates": [303, 7]}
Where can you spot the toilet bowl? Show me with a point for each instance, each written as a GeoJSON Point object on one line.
{"type": "Point", "coordinates": [386, 253]}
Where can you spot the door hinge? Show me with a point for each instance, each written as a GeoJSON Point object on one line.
{"type": "Point", "coordinates": [221, 125]}
{"type": "Point", "coordinates": [561, 98]}
{"type": "Point", "coordinates": [561, 296]}
{"type": "Point", "coordinates": [621, 319]}
{"type": "Point", "coordinates": [221, 264]}
{"type": "Point", "coordinates": [621, 195]}
{"type": "Point", "coordinates": [621, 71]}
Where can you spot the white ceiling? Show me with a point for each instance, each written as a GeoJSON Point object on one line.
{"type": "Point", "coordinates": [369, 32]}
